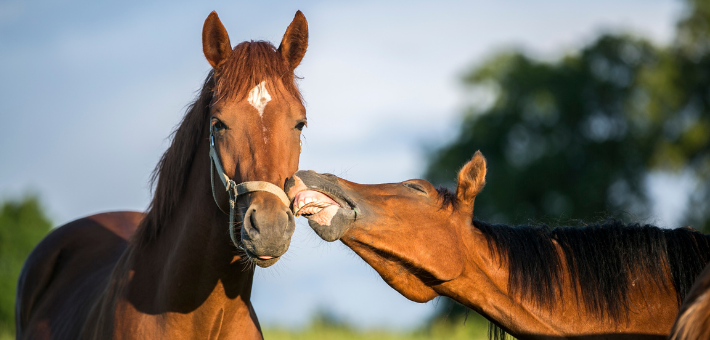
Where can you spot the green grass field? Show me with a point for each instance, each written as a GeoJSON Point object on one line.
{"type": "Point", "coordinates": [474, 329]}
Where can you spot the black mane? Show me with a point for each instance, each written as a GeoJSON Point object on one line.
{"type": "Point", "coordinates": [447, 198]}
{"type": "Point", "coordinates": [602, 260]}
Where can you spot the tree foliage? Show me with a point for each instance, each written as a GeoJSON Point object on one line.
{"type": "Point", "coordinates": [577, 137]}
{"type": "Point", "coordinates": [22, 226]}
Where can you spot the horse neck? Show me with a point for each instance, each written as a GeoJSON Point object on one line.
{"type": "Point", "coordinates": [483, 287]}
{"type": "Point", "coordinates": [191, 268]}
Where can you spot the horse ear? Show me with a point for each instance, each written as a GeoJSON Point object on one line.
{"type": "Point", "coordinates": [472, 179]}
{"type": "Point", "coordinates": [215, 40]}
{"type": "Point", "coordinates": [295, 41]}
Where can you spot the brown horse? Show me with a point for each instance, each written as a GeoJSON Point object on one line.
{"type": "Point", "coordinates": [179, 276]}
{"type": "Point", "coordinates": [693, 322]}
{"type": "Point", "coordinates": [607, 281]}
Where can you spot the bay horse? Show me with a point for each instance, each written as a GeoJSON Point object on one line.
{"type": "Point", "coordinates": [174, 273]}
{"type": "Point", "coordinates": [601, 281]}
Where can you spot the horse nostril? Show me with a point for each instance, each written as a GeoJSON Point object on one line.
{"type": "Point", "coordinates": [253, 221]}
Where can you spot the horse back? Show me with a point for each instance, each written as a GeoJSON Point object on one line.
{"type": "Point", "coordinates": [66, 272]}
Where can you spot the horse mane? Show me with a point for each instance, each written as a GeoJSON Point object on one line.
{"type": "Point", "coordinates": [250, 63]}
{"type": "Point", "coordinates": [447, 198]}
{"type": "Point", "coordinates": [601, 260]}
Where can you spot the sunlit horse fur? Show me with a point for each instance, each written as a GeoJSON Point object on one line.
{"type": "Point", "coordinates": [174, 273]}
{"type": "Point", "coordinates": [600, 281]}
{"type": "Point", "coordinates": [693, 322]}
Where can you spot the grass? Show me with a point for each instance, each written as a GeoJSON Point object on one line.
{"type": "Point", "coordinates": [327, 329]}
{"type": "Point", "coordinates": [454, 330]}
{"type": "Point", "coordinates": [6, 335]}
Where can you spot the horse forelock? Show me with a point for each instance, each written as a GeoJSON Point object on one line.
{"type": "Point", "coordinates": [601, 261]}
{"type": "Point", "coordinates": [249, 64]}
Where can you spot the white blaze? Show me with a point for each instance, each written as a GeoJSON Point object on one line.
{"type": "Point", "coordinates": [259, 97]}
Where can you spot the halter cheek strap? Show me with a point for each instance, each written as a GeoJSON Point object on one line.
{"type": "Point", "coordinates": [234, 189]}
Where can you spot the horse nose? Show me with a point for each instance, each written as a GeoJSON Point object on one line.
{"type": "Point", "coordinates": [267, 232]}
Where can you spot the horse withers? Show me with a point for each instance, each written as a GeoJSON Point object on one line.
{"type": "Point", "coordinates": [185, 269]}
{"type": "Point", "coordinates": [601, 281]}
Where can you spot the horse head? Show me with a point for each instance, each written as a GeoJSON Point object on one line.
{"type": "Point", "coordinates": [255, 120]}
{"type": "Point", "coordinates": [406, 231]}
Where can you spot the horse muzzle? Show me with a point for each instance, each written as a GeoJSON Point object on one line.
{"type": "Point", "coordinates": [267, 229]}
{"type": "Point", "coordinates": [320, 198]}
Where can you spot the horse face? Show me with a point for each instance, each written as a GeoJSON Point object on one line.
{"type": "Point", "coordinates": [256, 118]}
{"type": "Point", "coordinates": [261, 143]}
{"type": "Point", "coordinates": [406, 231]}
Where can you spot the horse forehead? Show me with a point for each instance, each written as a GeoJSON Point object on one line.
{"type": "Point", "coordinates": [259, 97]}
{"type": "Point", "coordinates": [270, 99]}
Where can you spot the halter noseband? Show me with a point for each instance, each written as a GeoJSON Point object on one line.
{"type": "Point", "coordinates": [235, 189]}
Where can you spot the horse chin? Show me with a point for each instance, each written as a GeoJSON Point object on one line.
{"type": "Point", "coordinates": [262, 262]}
{"type": "Point", "coordinates": [335, 227]}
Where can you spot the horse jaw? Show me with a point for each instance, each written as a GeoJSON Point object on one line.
{"type": "Point", "coordinates": [404, 279]}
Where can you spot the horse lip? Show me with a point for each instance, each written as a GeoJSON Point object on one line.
{"type": "Point", "coordinates": [343, 203]}
{"type": "Point", "coordinates": [263, 263]}
{"type": "Point", "coordinates": [325, 184]}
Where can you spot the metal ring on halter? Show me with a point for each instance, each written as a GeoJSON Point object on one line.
{"type": "Point", "coordinates": [234, 189]}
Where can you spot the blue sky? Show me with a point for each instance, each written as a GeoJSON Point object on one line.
{"type": "Point", "coordinates": [90, 91]}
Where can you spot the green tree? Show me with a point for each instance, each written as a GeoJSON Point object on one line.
{"type": "Point", "coordinates": [578, 137]}
{"type": "Point", "coordinates": [559, 137]}
{"type": "Point", "coordinates": [679, 98]}
{"type": "Point", "coordinates": [22, 226]}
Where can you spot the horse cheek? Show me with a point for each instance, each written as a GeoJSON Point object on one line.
{"type": "Point", "coordinates": [441, 258]}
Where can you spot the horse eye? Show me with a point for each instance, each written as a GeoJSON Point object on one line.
{"type": "Point", "coordinates": [217, 125]}
{"type": "Point", "coordinates": [300, 126]}
{"type": "Point", "coordinates": [415, 186]}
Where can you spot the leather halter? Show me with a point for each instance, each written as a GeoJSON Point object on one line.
{"type": "Point", "coordinates": [234, 189]}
